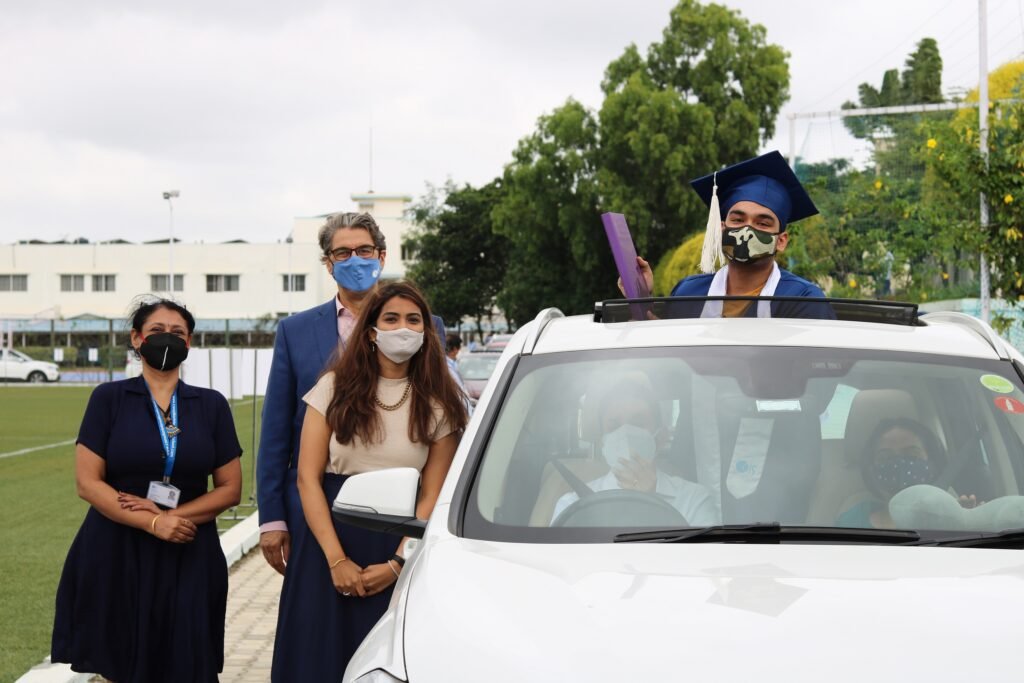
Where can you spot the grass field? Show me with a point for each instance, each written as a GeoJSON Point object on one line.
{"type": "Point", "coordinates": [41, 512]}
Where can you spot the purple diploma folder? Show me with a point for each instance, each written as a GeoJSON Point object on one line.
{"type": "Point", "coordinates": [625, 255]}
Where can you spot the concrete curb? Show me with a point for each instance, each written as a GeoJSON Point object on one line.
{"type": "Point", "coordinates": [236, 542]}
{"type": "Point", "coordinates": [241, 538]}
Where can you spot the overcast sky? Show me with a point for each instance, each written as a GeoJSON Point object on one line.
{"type": "Point", "coordinates": [261, 111]}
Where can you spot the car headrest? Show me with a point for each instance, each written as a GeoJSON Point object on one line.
{"type": "Point", "coordinates": [868, 409]}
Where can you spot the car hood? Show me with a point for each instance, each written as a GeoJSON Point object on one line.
{"type": "Point", "coordinates": [501, 611]}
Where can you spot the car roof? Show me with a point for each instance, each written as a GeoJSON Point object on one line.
{"type": "Point", "coordinates": [942, 335]}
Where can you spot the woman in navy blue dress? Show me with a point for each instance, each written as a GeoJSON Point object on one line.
{"type": "Point", "coordinates": [144, 588]}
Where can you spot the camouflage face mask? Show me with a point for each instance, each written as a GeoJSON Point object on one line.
{"type": "Point", "coordinates": [746, 244]}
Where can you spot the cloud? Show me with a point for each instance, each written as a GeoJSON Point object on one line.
{"type": "Point", "coordinates": [259, 112]}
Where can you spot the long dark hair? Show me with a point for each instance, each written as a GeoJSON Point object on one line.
{"type": "Point", "coordinates": [353, 411]}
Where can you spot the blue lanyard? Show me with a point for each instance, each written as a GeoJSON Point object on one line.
{"type": "Point", "coordinates": [170, 442]}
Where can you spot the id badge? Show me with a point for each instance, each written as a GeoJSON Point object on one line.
{"type": "Point", "coordinates": [163, 494]}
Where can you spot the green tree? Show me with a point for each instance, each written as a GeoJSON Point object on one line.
{"type": "Point", "coordinates": [920, 83]}
{"type": "Point", "coordinates": [894, 217]}
{"type": "Point", "coordinates": [707, 94]}
{"type": "Point", "coordinates": [677, 264]}
{"type": "Point", "coordinates": [962, 173]}
{"type": "Point", "coordinates": [922, 79]}
{"type": "Point", "coordinates": [558, 254]}
{"type": "Point", "coordinates": [460, 259]}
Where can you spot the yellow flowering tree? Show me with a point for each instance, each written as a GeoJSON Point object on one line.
{"type": "Point", "coordinates": [956, 165]}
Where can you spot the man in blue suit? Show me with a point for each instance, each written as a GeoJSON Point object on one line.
{"type": "Point", "coordinates": [353, 252]}
{"type": "Point", "coordinates": [760, 197]}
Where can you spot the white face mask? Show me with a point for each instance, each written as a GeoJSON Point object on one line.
{"type": "Point", "coordinates": [628, 440]}
{"type": "Point", "coordinates": [399, 345]}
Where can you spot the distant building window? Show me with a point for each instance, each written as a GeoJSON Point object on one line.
{"type": "Point", "coordinates": [103, 283]}
{"type": "Point", "coordinates": [221, 283]}
{"type": "Point", "coordinates": [13, 283]}
{"type": "Point", "coordinates": [158, 283]}
{"type": "Point", "coordinates": [297, 283]}
{"type": "Point", "coordinates": [72, 283]}
{"type": "Point", "coordinates": [366, 207]}
{"type": "Point", "coordinates": [408, 253]}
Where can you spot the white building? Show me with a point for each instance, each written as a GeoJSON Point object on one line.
{"type": "Point", "coordinates": [227, 280]}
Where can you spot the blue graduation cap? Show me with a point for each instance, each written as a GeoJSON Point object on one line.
{"type": "Point", "coordinates": [766, 180]}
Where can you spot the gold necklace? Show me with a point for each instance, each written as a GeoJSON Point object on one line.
{"type": "Point", "coordinates": [395, 406]}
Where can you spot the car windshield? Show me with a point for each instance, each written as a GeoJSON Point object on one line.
{"type": "Point", "coordinates": [478, 366]}
{"type": "Point", "coordinates": [589, 444]}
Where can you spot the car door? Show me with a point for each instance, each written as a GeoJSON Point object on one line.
{"type": "Point", "coordinates": [14, 365]}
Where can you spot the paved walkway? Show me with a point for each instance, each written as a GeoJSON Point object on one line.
{"type": "Point", "coordinates": [253, 592]}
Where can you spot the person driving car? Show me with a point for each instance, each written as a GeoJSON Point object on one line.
{"type": "Point", "coordinates": [633, 442]}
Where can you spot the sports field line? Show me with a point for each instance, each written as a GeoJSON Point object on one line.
{"type": "Point", "coordinates": [23, 451]}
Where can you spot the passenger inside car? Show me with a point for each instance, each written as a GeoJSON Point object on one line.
{"type": "Point", "coordinates": [633, 443]}
{"type": "Point", "coordinates": [899, 453]}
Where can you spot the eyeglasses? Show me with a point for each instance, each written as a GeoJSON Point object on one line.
{"type": "Point", "coordinates": [344, 253]}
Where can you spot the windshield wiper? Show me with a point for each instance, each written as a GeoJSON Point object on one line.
{"type": "Point", "coordinates": [770, 532]}
{"type": "Point", "coordinates": [1010, 538]}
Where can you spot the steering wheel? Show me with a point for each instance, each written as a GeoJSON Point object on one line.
{"type": "Point", "coordinates": [620, 508]}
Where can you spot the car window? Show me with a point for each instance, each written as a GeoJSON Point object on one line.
{"type": "Point", "coordinates": [833, 420]}
{"type": "Point", "coordinates": [588, 444]}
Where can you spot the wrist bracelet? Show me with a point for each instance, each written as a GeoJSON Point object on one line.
{"type": "Point", "coordinates": [152, 525]}
{"type": "Point", "coordinates": [334, 564]}
{"type": "Point", "coordinates": [392, 568]}
{"type": "Point", "coordinates": [399, 559]}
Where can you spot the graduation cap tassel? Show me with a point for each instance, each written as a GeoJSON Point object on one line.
{"type": "Point", "coordinates": [712, 255]}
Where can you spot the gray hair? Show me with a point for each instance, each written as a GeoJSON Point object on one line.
{"type": "Point", "coordinates": [351, 219]}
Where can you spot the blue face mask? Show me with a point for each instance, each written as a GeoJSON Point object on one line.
{"type": "Point", "coordinates": [357, 274]}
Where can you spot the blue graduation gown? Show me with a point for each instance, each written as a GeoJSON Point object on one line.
{"type": "Point", "coordinates": [789, 285]}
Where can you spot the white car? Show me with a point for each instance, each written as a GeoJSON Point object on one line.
{"type": "Point", "coordinates": [824, 500]}
{"type": "Point", "coordinates": [16, 365]}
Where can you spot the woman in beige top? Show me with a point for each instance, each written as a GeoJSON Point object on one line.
{"type": "Point", "coordinates": [389, 401]}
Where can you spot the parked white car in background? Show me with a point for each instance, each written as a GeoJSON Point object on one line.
{"type": "Point", "coordinates": [794, 500]}
{"type": "Point", "coordinates": [15, 365]}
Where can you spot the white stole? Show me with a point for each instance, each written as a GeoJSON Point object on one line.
{"type": "Point", "coordinates": [713, 309]}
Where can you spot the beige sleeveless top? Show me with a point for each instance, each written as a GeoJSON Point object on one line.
{"type": "Point", "coordinates": [396, 450]}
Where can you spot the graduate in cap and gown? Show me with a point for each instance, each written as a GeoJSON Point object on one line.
{"type": "Point", "coordinates": [751, 204]}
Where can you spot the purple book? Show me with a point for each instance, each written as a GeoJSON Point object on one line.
{"type": "Point", "coordinates": [625, 255]}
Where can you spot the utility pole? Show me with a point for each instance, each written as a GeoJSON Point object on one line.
{"type": "Point", "coordinates": [983, 144]}
{"type": "Point", "coordinates": [171, 194]}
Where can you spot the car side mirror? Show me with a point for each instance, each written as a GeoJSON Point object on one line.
{"type": "Point", "coordinates": [384, 500]}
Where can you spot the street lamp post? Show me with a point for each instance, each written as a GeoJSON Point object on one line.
{"type": "Point", "coordinates": [169, 195]}
{"type": "Point", "coordinates": [291, 278]}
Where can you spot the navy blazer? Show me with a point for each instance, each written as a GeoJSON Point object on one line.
{"type": "Point", "coordinates": [305, 343]}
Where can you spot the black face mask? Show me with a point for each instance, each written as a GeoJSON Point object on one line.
{"type": "Point", "coordinates": [164, 351]}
